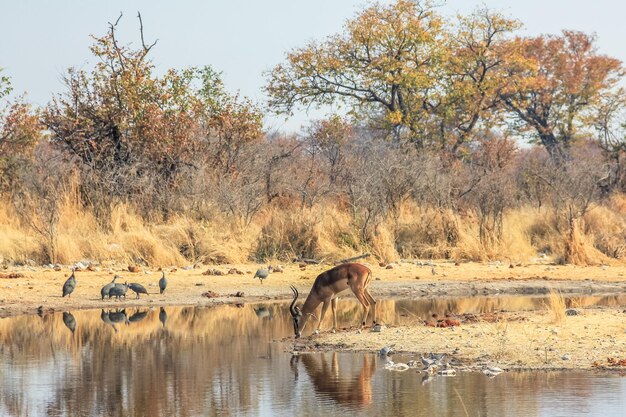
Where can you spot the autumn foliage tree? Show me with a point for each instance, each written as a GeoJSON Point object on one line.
{"type": "Point", "coordinates": [555, 82]}
{"type": "Point", "coordinates": [19, 132]}
{"type": "Point", "coordinates": [382, 65]}
{"type": "Point", "coordinates": [405, 68]}
{"type": "Point", "coordinates": [135, 133]}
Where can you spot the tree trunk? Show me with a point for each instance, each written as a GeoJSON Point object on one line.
{"type": "Point", "coordinates": [552, 145]}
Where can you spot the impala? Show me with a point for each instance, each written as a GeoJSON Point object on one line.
{"type": "Point", "coordinates": [325, 289]}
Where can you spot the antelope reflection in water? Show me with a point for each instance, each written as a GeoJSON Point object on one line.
{"type": "Point", "coordinates": [328, 381]}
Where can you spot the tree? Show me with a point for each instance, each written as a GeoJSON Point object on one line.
{"type": "Point", "coordinates": [135, 134]}
{"type": "Point", "coordinates": [5, 85]}
{"type": "Point", "coordinates": [404, 68]}
{"type": "Point", "coordinates": [492, 190]}
{"type": "Point", "coordinates": [472, 76]}
{"type": "Point", "coordinates": [19, 132]}
{"type": "Point", "coordinates": [554, 82]}
{"type": "Point", "coordinates": [385, 63]}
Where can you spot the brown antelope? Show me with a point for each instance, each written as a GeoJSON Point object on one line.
{"type": "Point", "coordinates": [325, 289]}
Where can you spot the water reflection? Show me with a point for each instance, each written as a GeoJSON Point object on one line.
{"type": "Point", "coordinates": [162, 316]}
{"type": "Point", "coordinates": [263, 312]}
{"type": "Point", "coordinates": [69, 321]}
{"type": "Point", "coordinates": [339, 384]}
{"type": "Point", "coordinates": [190, 361]}
{"type": "Point", "coordinates": [138, 316]}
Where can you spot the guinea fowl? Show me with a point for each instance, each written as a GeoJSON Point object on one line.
{"type": "Point", "coordinates": [104, 292]}
{"type": "Point", "coordinates": [118, 290]}
{"type": "Point", "coordinates": [162, 284]}
{"type": "Point", "coordinates": [137, 288]}
{"type": "Point", "coordinates": [70, 284]}
{"type": "Point", "coordinates": [262, 273]}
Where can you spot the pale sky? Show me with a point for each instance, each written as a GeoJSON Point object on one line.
{"type": "Point", "coordinates": [40, 39]}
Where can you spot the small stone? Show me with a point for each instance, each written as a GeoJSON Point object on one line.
{"type": "Point", "coordinates": [566, 357]}
{"type": "Point", "coordinates": [572, 312]}
{"type": "Point", "coordinates": [377, 328]}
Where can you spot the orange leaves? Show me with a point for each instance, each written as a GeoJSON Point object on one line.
{"type": "Point", "coordinates": [554, 81]}
{"type": "Point", "coordinates": [19, 129]}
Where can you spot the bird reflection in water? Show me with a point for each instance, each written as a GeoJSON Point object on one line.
{"type": "Point", "coordinates": [138, 316]}
{"type": "Point", "coordinates": [327, 379]}
{"type": "Point", "coordinates": [106, 319]}
{"type": "Point", "coordinates": [118, 316]}
{"type": "Point", "coordinates": [162, 316]}
{"type": "Point", "coordinates": [69, 321]}
{"type": "Point", "coordinates": [263, 312]}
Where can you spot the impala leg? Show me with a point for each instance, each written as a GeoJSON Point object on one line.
{"type": "Point", "coordinates": [324, 308]}
{"type": "Point", "coordinates": [373, 304]}
{"type": "Point", "coordinates": [334, 309]}
{"type": "Point", "coordinates": [366, 306]}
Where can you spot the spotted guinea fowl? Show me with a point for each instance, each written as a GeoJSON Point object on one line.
{"type": "Point", "coordinates": [162, 284]}
{"type": "Point", "coordinates": [138, 288]}
{"type": "Point", "coordinates": [262, 273]}
{"type": "Point", "coordinates": [118, 290]}
{"type": "Point", "coordinates": [70, 284]}
{"type": "Point", "coordinates": [104, 292]}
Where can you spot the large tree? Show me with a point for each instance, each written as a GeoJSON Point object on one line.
{"type": "Point", "coordinates": [405, 68]}
{"type": "Point", "coordinates": [384, 62]}
{"type": "Point", "coordinates": [555, 81]}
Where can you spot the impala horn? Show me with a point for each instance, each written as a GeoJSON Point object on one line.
{"type": "Point", "coordinates": [293, 309]}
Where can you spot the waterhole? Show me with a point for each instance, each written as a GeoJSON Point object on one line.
{"type": "Point", "coordinates": [233, 360]}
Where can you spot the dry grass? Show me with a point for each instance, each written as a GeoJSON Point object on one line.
{"type": "Point", "coordinates": [323, 232]}
{"type": "Point", "coordinates": [556, 307]}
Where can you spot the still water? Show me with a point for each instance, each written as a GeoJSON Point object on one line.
{"type": "Point", "coordinates": [229, 361]}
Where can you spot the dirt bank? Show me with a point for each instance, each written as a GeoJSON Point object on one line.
{"type": "Point", "coordinates": [42, 287]}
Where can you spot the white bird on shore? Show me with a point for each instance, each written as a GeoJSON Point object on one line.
{"type": "Point", "coordinates": [492, 371]}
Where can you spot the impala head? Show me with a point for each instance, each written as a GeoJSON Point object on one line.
{"type": "Point", "coordinates": [296, 314]}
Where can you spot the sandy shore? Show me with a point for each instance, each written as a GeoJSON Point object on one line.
{"type": "Point", "coordinates": [42, 287]}
{"type": "Point", "coordinates": [512, 340]}
{"type": "Point", "coordinates": [594, 339]}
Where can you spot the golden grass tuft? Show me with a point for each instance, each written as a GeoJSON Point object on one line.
{"type": "Point", "coordinates": [326, 231]}
{"type": "Point", "coordinates": [17, 243]}
{"type": "Point", "coordinates": [556, 307]}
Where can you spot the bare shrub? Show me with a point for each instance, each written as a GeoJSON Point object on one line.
{"type": "Point", "coordinates": [489, 190]}
{"type": "Point", "coordinates": [572, 188]}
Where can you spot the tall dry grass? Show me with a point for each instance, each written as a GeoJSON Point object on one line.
{"type": "Point", "coordinates": [556, 307]}
{"type": "Point", "coordinates": [326, 231]}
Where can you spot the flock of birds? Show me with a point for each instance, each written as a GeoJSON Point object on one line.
{"type": "Point", "coordinates": [432, 364]}
{"type": "Point", "coordinates": [113, 289]}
